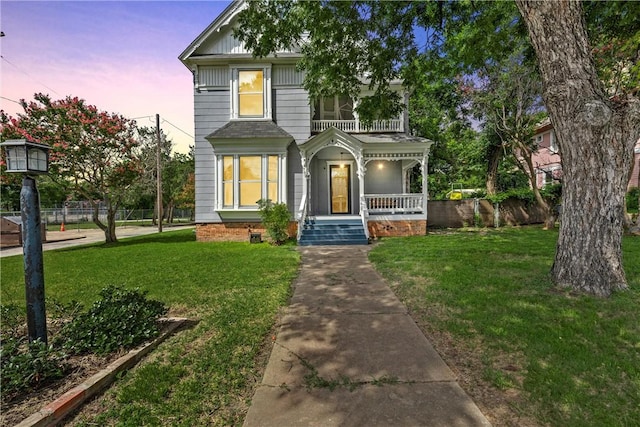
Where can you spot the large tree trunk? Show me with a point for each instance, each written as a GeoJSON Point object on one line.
{"type": "Point", "coordinates": [596, 135]}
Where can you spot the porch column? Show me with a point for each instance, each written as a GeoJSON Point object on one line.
{"type": "Point", "coordinates": [303, 209]}
{"type": "Point", "coordinates": [424, 166]}
{"type": "Point", "coordinates": [361, 172]}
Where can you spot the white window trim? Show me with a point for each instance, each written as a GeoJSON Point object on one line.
{"type": "Point", "coordinates": [330, 163]}
{"type": "Point", "coordinates": [282, 181]}
{"type": "Point", "coordinates": [266, 86]}
{"type": "Point", "coordinates": [553, 143]}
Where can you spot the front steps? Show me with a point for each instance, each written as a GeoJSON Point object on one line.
{"type": "Point", "coordinates": [333, 231]}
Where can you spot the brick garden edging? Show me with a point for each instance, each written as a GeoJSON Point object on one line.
{"type": "Point", "coordinates": [55, 411]}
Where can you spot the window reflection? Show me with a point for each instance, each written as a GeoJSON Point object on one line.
{"type": "Point", "coordinates": [250, 93]}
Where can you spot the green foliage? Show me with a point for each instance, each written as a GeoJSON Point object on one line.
{"type": "Point", "coordinates": [275, 218]}
{"type": "Point", "coordinates": [121, 319]}
{"type": "Point", "coordinates": [633, 198]}
{"type": "Point", "coordinates": [523, 193]}
{"type": "Point", "coordinates": [28, 365]}
{"type": "Point", "coordinates": [552, 193]}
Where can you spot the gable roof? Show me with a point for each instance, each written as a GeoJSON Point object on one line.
{"type": "Point", "coordinates": [221, 21]}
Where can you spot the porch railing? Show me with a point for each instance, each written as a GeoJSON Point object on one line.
{"type": "Point", "coordinates": [394, 203]}
{"type": "Point", "coordinates": [355, 126]}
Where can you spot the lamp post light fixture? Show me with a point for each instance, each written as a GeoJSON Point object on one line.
{"type": "Point", "coordinates": [30, 158]}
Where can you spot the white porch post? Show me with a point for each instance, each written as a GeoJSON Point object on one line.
{"type": "Point", "coordinates": [424, 166]}
{"type": "Point", "coordinates": [364, 214]}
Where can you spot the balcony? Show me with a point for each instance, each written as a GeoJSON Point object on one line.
{"type": "Point", "coordinates": [355, 126]}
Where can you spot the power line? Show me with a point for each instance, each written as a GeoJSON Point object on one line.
{"type": "Point", "coordinates": [186, 133]}
{"type": "Point", "coordinates": [28, 75]}
{"type": "Point", "coordinates": [9, 99]}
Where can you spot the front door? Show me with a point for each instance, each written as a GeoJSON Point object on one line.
{"type": "Point", "coordinates": [340, 189]}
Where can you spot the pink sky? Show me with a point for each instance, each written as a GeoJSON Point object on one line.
{"type": "Point", "coordinates": [121, 56]}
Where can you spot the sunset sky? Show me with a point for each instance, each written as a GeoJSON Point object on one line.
{"type": "Point", "coordinates": [121, 56]}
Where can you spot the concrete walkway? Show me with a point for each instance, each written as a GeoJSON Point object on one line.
{"type": "Point", "coordinates": [76, 237]}
{"type": "Point", "coordinates": [348, 354]}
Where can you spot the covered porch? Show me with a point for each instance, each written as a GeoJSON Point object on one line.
{"type": "Point", "coordinates": [364, 176]}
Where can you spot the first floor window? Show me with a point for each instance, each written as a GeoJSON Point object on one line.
{"type": "Point", "coordinates": [249, 178]}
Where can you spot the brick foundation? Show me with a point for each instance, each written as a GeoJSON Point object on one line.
{"type": "Point", "coordinates": [399, 228]}
{"type": "Point", "coordinates": [234, 231]}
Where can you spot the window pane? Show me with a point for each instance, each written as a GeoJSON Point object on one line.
{"type": "Point", "coordinates": [250, 168]}
{"type": "Point", "coordinates": [273, 168]}
{"type": "Point", "coordinates": [250, 93]}
{"type": "Point", "coordinates": [227, 166]}
{"type": "Point", "coordinates": [250, 193]}
{"type": "Point", "coordinates": [227, 190]}
{"type": "Point", "coordinates": [273, 192]}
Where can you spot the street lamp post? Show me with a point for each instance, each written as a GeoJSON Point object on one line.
{"type": "Point", "coordinates": [30, 158]}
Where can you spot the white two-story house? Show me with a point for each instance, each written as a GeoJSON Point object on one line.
{"type": "Point", "coordinates": [258, 135]}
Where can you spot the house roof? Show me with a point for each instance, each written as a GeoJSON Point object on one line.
{"type": "Point", "coordinates": [242, 129]}
{"type": "Point", "coordinates": [221, 21]}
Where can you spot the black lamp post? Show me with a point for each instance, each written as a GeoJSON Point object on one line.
{"type": "Point", "coordinates": [29, 158]}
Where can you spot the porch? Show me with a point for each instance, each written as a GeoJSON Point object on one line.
{"type": "Point", "coordinates": [366, 176]}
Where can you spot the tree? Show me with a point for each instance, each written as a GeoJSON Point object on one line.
{"type": "Point", "coordinates": [342, 41]}
{"type": "Point", "coordinates": [92, 151]}
{"type": "Point", "coordinates": [596, 133]}
{"type": "Point", "coordinates": [508, 101]}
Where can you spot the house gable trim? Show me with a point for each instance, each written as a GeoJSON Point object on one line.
{"type": "Point", "coordinates": [221, 21]}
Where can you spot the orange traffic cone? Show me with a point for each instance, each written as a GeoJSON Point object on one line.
{"type": "Point", "coordinates": [62, 227]}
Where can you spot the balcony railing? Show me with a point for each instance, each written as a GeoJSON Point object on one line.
{"type": "Point", "coordinates": [394, 203]}
{"type": "Point", "coordinates": [355, 126]}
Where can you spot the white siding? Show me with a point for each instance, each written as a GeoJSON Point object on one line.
{"type": "Point", "coordinates": [293, 113]}
{"type": "Point", "coordinates": [211, 112]}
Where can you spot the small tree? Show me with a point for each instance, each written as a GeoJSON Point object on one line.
{"type": "Point", "coordinates": [92, 152]}
{"type": "Point", "coordinates": [275, 218]}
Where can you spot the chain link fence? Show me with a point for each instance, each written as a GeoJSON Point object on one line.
{"type": "Point", "coordinates": [80, 215]}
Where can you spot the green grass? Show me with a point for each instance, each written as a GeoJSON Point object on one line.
{"type": "Point", "coordinates": [577, 358]}
{"type": "Point", "coordinates": [203, 375]}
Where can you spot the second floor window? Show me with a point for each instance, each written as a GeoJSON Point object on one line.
{"type": "Point", "coordinates": [250, 93]}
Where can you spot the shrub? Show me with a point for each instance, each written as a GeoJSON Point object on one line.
{"type": "Point", "coordinates": [121, 319]}
{"type": "Point", "coordinates": [275, 218]}
{"type": "Point", "coordinates": [632, 199]}
{"type": "Point", "coordinates": [28, 365]}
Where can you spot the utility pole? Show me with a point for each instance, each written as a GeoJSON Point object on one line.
{"type": "Point", "coordinates": [159, 174]}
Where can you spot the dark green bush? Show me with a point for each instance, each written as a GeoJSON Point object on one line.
{"type": "Point", "coordinates": [632, 199]}
{"type": "Point", "coordinates": [121, 319]}
{"type": "Point", "coordinates": [275, 218]}
{"type": "Point", "coordinates": [28, 365]}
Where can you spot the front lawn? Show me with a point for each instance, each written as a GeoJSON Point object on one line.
{"type": "Point", "coordinates": [203, 375]}
{"type": "Point", "coordinates": [486, 299]}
